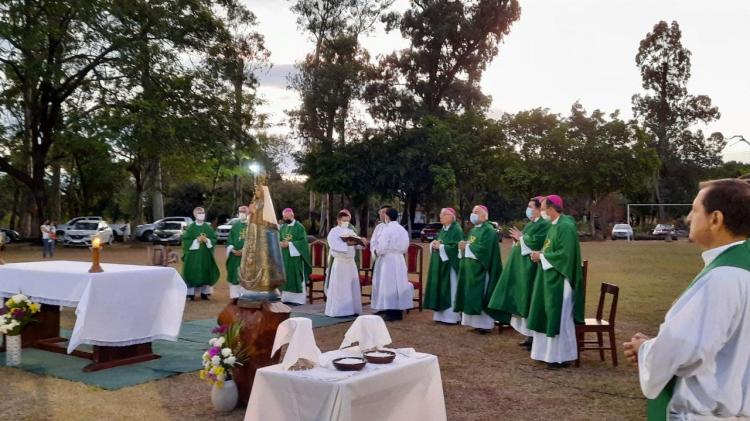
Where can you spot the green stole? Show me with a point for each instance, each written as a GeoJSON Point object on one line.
{"type": "Point", "coordinates": [437, 295]}
{"type": "Point", "coordinates": [297, 268]}
{"type": "Point", "coordinates": [472, 296]}
{"type": "Point", "coordinates": [512, 296]}
{"type": "Point", "coordinates": [737, 256]}
{"type": "Point", "coordinates": [237, 241]}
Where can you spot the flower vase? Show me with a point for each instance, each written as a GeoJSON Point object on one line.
{"type": "Point", "coordinates": [13, 350]}
{"type": "Point", "coordinates": [224, 398]}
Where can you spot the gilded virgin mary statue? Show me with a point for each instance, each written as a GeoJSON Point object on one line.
{"type": "Point", "coordinates": [262, 266]}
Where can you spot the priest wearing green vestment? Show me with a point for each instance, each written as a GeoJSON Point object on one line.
{"type": "Point", "coordinates": [235, 243]}
{"type": "Point", "coordinates": [557, 298]}
{"type": "Point", "coordinates": [478, 273]}
{"type": "Point", "coordinates": [442, 277]}
{"type": "Point", "coordinates": [698, 366]}
{"type": "Point", "coordinates": [297, 262]}
{"type": "Point", "coordinates": [199, 268]}
{"type": "Point", "coordinates": [512, 295]}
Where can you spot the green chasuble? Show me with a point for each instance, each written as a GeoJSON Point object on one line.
{"type": "Point", "coordinates": [513, 292]}
{"type": "Point", "coordinates": [297, 268]}
{"type": "Point", "coordinates": [198, 266]}
{"type": "Point", "coordinates": [437, 296]}
{"type": "Point", "coordinates": [237, 241]}
{"type": "Point", "coordinates": [471, 295]}
{"type": "Point", "coordinates": [737, 256]}
{"type": "Point", "coordinates": [563, 251]}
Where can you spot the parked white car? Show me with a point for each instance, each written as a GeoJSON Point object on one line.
{"type": "Point", "coordinates": [622, 231]}
{"type": "Point", "coordinates": [169, 232]}
{"type": "Point", "coordinates": [82, 231]}
{"type": "Point", "coordinates": [146, 232]}
{"type": "Point", "coordinates": [222, 231]}
{"type": "Point", "coordinates": [62, 228]}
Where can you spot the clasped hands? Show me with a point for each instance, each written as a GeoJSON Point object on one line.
{"type": "Point", "coordinates": [631, 348]}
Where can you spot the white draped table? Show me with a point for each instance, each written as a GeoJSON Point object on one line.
{"type": "Point", "coordinates": [410, 388]}
{"type": "Point", "coordinates": [123, 306]}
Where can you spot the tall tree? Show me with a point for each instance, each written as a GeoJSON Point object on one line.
{"type": "Point", "coordinates": [669, 113]}
{"type": "Point", "coordinates": [331, 77]}
{"type": "Point", "coordinates": [48, 51]}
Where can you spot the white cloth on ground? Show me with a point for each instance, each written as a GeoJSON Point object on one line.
{"type": "Point", "coordinates": [298, 333]}
{"type": "Point", "coordinates": [369, 331]}
{"type": "Point", "coordinates": [111, 307]}
{"type": "Point", "coordinates": [391, 289]}
{"type": "Point", "coordinates": [562, 347]}
{"type": "Point", "coordinates": [448, 315]}
{"type": "Point", "coordinates": [705, 341]}
{"type": "Point", "coordinates": [343, 292]}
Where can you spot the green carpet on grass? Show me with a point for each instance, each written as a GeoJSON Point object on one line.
{"type": "Point", "coordinates": [183, 356]}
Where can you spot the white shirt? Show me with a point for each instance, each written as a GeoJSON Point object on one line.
{"type": "Point", "coordinates": [705, 340]}
{"type": "Point", "coordinates": [46, 229]}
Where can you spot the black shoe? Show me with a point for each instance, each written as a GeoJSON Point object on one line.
{"type": "Point", "coordinates": [482, 331]}
{"type": "Point", "coordinates": [557, 366]}
{"type": "Point", "coordinates": [381, 312]}
{"type": "Point", "coordinates": [205, 297]}
{"type": "Point", "coordinates": [526, 343]}
{"type": "Point", "coordinates": [190, 298]}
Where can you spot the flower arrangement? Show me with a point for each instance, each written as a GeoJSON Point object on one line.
{"type": "Point", "coordinates": [226, 352]}
{"type": "Point", "coordinates": [17, 313]}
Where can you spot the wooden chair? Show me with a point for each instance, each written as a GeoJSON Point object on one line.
{"type": "Point", "coordinates": [365, 269]}
{"type": "Point", "coordinates": [319, 259]}
{"type": "Point", "coordinates": [414, 265]}
{"type": "Point", "coordinates": [600, 326]}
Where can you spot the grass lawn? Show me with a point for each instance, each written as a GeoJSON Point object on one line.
{"type": "Point", "coordinates": [484, 377]}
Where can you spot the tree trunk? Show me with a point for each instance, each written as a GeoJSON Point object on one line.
{"type": "Point", "coordinates": [156, 191]}
{"type": "Point", "coordinates": [658, 197]}
{"type": "Point", "coordinates": [14, 208]}
{"type": "Point", "coordinates": [56, 207]}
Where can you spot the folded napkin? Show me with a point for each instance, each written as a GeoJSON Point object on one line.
{"type": "Point", "coordinates": [369, 331]}
{"type": "Point", "coordinates": [298, 333]}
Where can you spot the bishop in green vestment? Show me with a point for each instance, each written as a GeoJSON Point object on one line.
{"type": "Point", "coordinates": [235, 243]}
{"type": "Point", "coordinates": [478, 273]}
{"type": "Point", "coordinates": [442, 277]}
{"type": "Point", "coordinates": [297, 262]}
{"type": "Point", "coordinates": [199, 268]}
{"type": "Point", "coordinates": [557, 299]}
{"type": "Point", "coordinates": [512, 295]}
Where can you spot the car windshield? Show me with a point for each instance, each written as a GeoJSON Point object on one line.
{"type": "Point", "coordinates": [434, 225]}
{"type": "Point", "coordinates": [171, 226]}
{"type": "Point", "coordinates": [86, 226]}
{"type": "Point", "coordinates": [622, 226]}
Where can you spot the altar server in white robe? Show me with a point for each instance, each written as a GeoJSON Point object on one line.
{"type": "Point", "coordinates": [391, 290]}
{"type": "Point", "coordinates": [343, 293]}
{"type": "Point", "coordinates": [698, 366]}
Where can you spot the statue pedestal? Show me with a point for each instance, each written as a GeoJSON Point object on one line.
{"type": "Point", "coordinates": [258, 334]}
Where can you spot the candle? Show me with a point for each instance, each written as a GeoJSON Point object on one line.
{"type": "Point", "coordinates": [96, 246]}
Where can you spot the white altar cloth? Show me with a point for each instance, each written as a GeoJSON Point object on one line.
{"type": "Point", "coordinates": [124, 305]}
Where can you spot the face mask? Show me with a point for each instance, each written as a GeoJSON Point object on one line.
{"type": "Point", "coordinates": [243, 217]}
{"type": "Point", "coordinates": [287, 221]}
{"type": "Point", "coordinates": [200, 217]}
{"type": "Point", "coordinates": [545, 216]}
{"type": "Point", "coordinates": [474, 218]}
{"type": "Point", "coordinates": [529, 213]}
{"type": "Point", "coordinates": [344, 224]}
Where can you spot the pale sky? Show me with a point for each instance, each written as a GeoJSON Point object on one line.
{"type": "Point", "coordinates": [561, 51]}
